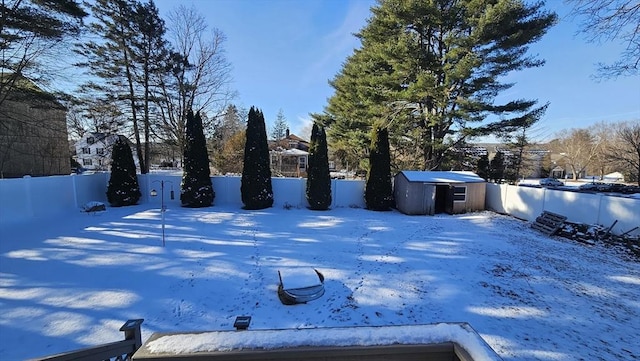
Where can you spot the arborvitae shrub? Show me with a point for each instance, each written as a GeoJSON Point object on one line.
{"type": "Point", "coordinates": [482, 168]}
{"type": "Point", "coordinates": [196, 189]}
{"type": "Point", "coordinates": [318, 176]}
{"type": "Point", "coordinates": [255, 188]}
{"type": "Point", "coordinates": [496, 167]}
{"type": "Point", "coordinates": [378, 194]}
{"type": "Point", "coordinates": [123, 188]}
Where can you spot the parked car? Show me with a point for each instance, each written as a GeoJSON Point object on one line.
{"type": "Point", "coordinates": [603, 187]}
{"type": "Point", "coordinates": [617, 187]}
{"type": "Point", "coordinates": [631, 189]}
{"type": "Point", "coordinates": [551, 182]}
{"type": "Point", "coordinates": [590, 187]}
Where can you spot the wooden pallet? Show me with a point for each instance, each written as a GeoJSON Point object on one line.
{"type": "Point", "coordinates": [548, 222]}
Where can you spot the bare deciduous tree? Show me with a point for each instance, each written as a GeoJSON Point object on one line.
{"type": "Point", "coordinates": [624, 149]}
{"type": "Point", "coordinates": [578, 148]}
{"type": "Point", "coordinates": [611, 20]}
{"type": "Point", "coordinates": [87, 115]}
{"type": "Point", "coordinates": [601, 164]}
{"type": "Point", "coordinates": [198, 75]}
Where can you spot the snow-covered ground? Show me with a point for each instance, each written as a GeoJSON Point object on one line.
{"type": "Point", "coordinates": [71, 282]}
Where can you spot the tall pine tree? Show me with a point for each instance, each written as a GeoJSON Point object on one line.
{"type": "Point", "coordinates": [127, 55]}
{"type": "Point", "coordinates": [123, 188]}
{"type": "Point", "coordinates": [256, 189]}
{"type": "Point", "coordinates": [318, 176]}
{"type": "Point", "coordinates": [196, 188]}
{"type": "Point", "coordinates": [280, 127]}
{"type": "Point", "coordinates": [378, 194]}
{"type": "Point", "coordinates": [30, 35]}
{"type": "Point", "coordinates": [433, 72]}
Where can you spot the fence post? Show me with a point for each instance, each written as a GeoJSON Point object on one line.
{"type": "Point", "coordinates": [599, 208]}
{"type": "Point", "coordinates": [334, 192]}
{"type": "Point", "coordinates": [27, 194]}
{"type": "Point", "coordinates": [132, 331]}
{"type": "Point", "coordinates": [74, 187]}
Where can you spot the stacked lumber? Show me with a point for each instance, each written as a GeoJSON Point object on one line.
{"type": "Point", "coordinates": [551, 223]}
{"type": "Point", "coordinates": [548, 222]}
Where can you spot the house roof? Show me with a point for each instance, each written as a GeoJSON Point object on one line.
{"type": "Point", "coordinates": [294, 152]}
{"type": "Point", "coordinates": [25, 90]}
{"type": "Point", "coordinates": [296, 138]}
{"type": "Point", "coordinates": [441, 176]}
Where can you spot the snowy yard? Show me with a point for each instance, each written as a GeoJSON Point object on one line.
{"type": "Point", "coordinates": [71, 282]}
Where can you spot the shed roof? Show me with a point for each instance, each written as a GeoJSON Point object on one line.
{"type": "Point", "coordinates": [441, 176]}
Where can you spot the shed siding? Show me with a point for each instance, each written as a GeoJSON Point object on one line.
{"type": "Point", "coordinates": [409, 196]}
{"type": "Point", "coordinates": [418, 196]}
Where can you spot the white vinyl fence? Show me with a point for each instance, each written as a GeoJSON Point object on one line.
{"type": "Point", "coordinates": [23, 199]}
{"type": "Point", "coordinates": [528, 203]}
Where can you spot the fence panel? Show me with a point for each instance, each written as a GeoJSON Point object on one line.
{"type": "Point", "coordinates": [624, 210]}
{"type": "Point", "coordinates": [348, 193]}
{"type": "Point", "coordinates": [289, 192]}
{"type": "Point", "coordinates": [524, 202]}
{"type": "Point", "coordinates": [528, 202]}
{"type": "Point", "coordinates": [90, 188]}
{"type": "Point", "coordinates": [15, 200]}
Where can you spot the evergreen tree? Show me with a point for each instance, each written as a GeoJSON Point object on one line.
{"type": "Point", "coordinates": [127, 54]}
{"type": "Point", "coordinates": [433, 71]}
{"type": "Point", "coordinates": [279, 129]}
{"type": "Point", "coordinates": [31, 35]}
{"type": "Point", "coordinates": [123, 188]}
{"type": "Point", "coordinates": [318, 177]}
{"type": "Point", "coordinates": [196, 188]}
{"type": "Point", "coordinates": [496, 169]}
{"type": "Point", "coordinates": [230, 158]}
{"type": "Point", "coordinates": [227, 141]}
{"type": "Point", "coordinates": [482, 168]}
{"type": "Point", "coordinates": [255, 188]}
{"type": "Point", "coordinates": [378, 193]}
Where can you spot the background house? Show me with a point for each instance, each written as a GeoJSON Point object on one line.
{"type": "Point", "coordinates": [289, 156]}
{"type": "Point", "coordinates": [93, 151]}
{"type": "Point", "coordinates": [33, 133]}
{"type": "Point", "coordinates": [431, 192]}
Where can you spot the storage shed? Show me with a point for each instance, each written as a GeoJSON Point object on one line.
{"type": "Point", "coordinates": [431, 192]}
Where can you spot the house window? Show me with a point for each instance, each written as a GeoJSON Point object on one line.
{"type": "Point", "coordinates": [86, 162]}
{"type": "Point", "coordinates": [100, 162]}
{"type": "Point", "coordinates": [459, 194]}
{"type": "Point", "coordinates": [302, 162]}
{"type": "Point", "coordinates": [91, 140]}
{"type": "Point", "coordinates": [100, 151]}
{"type": "Point", "coordinates": [86, 150]}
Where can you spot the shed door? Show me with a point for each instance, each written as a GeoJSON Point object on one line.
{"type": "Point", "coordinates": [450, 199]}
{"type": "Point", "coordinates": [444, 199]}
{"type": "Point", "coordinates": [429, 200]}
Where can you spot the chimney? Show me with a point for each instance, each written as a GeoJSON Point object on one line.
{"type": "Point", "coordinates": [287, 133]}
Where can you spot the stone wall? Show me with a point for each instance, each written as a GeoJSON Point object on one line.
{"type": "Point", "coordinates": [33, 138]}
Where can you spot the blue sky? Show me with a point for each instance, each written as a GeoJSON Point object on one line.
{"type": "Point", "coordinates": [284, 52]}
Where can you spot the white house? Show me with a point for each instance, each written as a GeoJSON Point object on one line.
{"type": "Point", "coordinates": [93, 151]}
